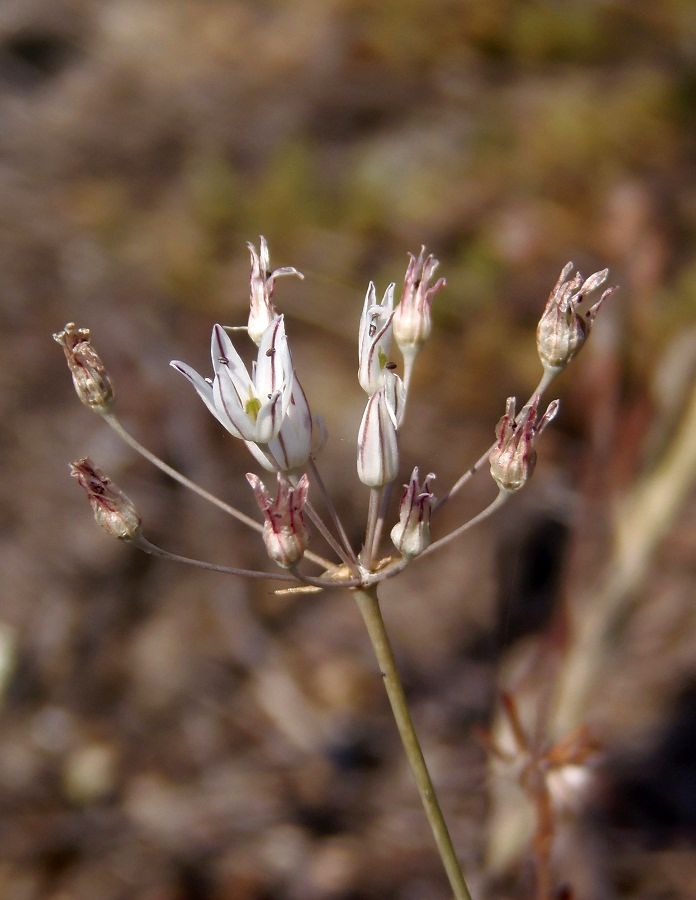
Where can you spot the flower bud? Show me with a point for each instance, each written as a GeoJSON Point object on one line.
{"type": "Point", "coordinates": [378, 448]}
{"type": "Point", "coordinates": [563, 328]}
{"type": "Point", "coordinates": [262, 312]}
{"type": "Point", "coordinates": [412, 323]}
{"type": "Point", "coordinates": [513, 458]}
{"type": "Point", "coordinates": [112, 509]}
{"type": "Point", "coordinates": [374, 338]}
{"type": "Point", "coordinates": [89, 375]}
{"type": "Point", "coordinates": [284, 531]}
{"type": "Point", "coordinates": [411, 535]}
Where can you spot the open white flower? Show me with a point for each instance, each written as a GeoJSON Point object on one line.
{"type": "Point", "coordinates": [374, 340]}
{"type": "Point", "coordinates": [290, 450]}
{"type": "Point", "coordinates": [249, 407]}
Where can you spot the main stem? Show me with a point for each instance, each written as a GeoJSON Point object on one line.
{"type": "Point", "coordinates": [368, 604]}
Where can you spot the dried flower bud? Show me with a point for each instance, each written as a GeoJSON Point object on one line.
{"type": "Point", "coordinates": [563, 328]}
{"type": "Point", "coordinates": [411, 535]}
{"type": "Point", "coordinates": [412, 323]}
{"type": "Point", "coordinates": [89, 376]}
{"type": "Point", "coordinates": [513, 458]}
{"type": "Point", "coordinates": [284, 531]}
{"type": "Point", "coordinates": [112, 509]}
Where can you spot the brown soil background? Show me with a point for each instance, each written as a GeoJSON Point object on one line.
{"type": "Point", "coordinates": [169, 734]}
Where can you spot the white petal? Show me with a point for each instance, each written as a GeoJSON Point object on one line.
{"type": "Point", "coordinates": [261, 457]}
{"type": "Point", "coordinates": [272, 360]}
{"type": "Point", "coordinates": [226, 359]}
{"type": "Point", "coordinates": [370, 300]}
{"type": "Point", "coordinates": [268, 420]}
{"type": "Point", "coordinates": [230, 408]}
{"type": "Point", "coordinates": [292, 446]}
{"type": "Point", "coordinates": [394, 393]}
{"type": "Point", "coordinates": [378, 451]}
{"type": "Point", "coordinates": [203, 389]}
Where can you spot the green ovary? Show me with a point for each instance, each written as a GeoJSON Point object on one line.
{"type": "Point", "coordinates": [252, 408]}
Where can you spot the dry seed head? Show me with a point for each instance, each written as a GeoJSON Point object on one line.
{"type": "Point", "coordinates": [112, 509]}
{"type": "Point", "coordinates": [564, 326]}
{"type": "Point", "coordinates": [89, 375]}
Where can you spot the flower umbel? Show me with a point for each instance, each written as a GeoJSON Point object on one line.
{"type": "Point", "coordinates": [114, 511]}
{"type": "Point", "coordinates": [513, 458]}
{"type": "Point", "coordinates": [266, 407]}
{"type": "Point", "coordinates": [374, 338]}
{"type": "Point", "coordinates": [284, 531]}
{"type": "Point", "coordinates": [411, 534]}
{"type": "Point", "coordinates": [563, 327]}
{"type": "Point", "coordinates": [262, 312]}
{"type": "Point", "coordinates": [412, 322]}
{"type": "Point", "coordinates": [92, 383]}
{"type": "Point", "coordinates": [252, 408]}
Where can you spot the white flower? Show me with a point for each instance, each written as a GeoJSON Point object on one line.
{"type": "Point", "coordinates": [290, 450]}
{"type": "Point", "coordinates": [262, 312]}
{"type": "Point", "coordinates": [411, 535]}
{"type": "Point", "coordinates": [252, 408]}
{"type": "Point", "coordinates": [284, 532]}
{"type": "Point", "coordinates": [378, 449]}
{"type": "Point", "coordinates": [374, 340]}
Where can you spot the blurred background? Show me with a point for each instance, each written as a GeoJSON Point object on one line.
{"type": "Point", "coordinates": [170, 734]}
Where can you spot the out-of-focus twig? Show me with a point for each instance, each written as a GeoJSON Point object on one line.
{"type": "Point", "coordinates": [643, 518]}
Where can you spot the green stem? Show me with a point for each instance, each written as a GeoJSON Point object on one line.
{"type": "Point", "coordinates": [368, 604]}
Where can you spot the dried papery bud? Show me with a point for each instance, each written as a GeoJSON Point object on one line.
{"type": "Point", "coordinates": [89, 375]}
{"type": "Point", "coordinates": [112, 509]}
{"type": "Point", "coordinates": [564, 327]}
{"type": "Point", "coordinates": [513, 458]}
{"type": "Point", "coordinates": [411, 535]}
{"type": "Point", "coordinates": [262, 312]}
{"type": "Point", "coordinates": [412, 323]}
{"type": "Point", "coordinates": [378, 448]}
{"type": "Point", "coordinates": [284, 531]}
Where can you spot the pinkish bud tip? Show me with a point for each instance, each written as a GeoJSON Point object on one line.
{"type": "Point", "coordinates": [564, 326]}
{"type": "Point", "coordinates": [284, 531]}
{"type": "Point", "coordinates": [513, 458]}
{"type": "Point", "coordinates": [112, 509]}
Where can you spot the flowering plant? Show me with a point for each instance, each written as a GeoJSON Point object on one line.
{"type": "Point", "coordinates": [266, 407]}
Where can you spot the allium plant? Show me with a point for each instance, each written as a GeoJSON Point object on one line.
{"type": "Point", "coordinates": [266, 407]}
